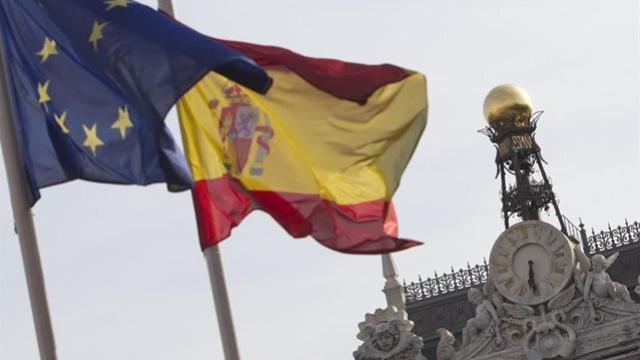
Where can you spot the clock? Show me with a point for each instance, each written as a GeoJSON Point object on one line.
{"type": "Point", "coordinates": [531, 262]}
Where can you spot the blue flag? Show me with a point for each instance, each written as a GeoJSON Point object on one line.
{"type": "Point", "coordinates": [90, 83]}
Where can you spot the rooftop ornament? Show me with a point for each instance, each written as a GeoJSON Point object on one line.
{"type": "Point", "coordinates": [512, 123]}
{"type": "Point", "coordinates": [507, 107]}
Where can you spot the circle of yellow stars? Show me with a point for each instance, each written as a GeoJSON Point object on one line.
{"type": "Point", "coordinates": [123, 122]}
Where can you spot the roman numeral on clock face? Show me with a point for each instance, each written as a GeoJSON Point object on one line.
{"type": "Point", "coordinates": [522, 290]}
{"type": "Point", "coordinates": [558, 267]}
{"type": "Point", "coordinates": [551, 241]}
{"type": "Point", "coordinates": [508, 283]}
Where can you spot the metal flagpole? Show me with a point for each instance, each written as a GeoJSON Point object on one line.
{"type": "Point", "coordinates": [221, 299]}
{"type": "Point", "coordinates": [166, 6]}
{"type": "Point", "coordinates": [216, 274]}
{"type": "Point", "coordinates": [16, 177]}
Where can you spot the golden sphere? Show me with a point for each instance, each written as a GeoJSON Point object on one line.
{"type": "Point", "coordinates": [507, 106]}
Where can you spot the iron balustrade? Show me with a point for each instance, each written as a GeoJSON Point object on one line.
{"type": "Point", "coordinates": [462, 279]}
{"type": "Point", "coordinates": [572, 230]}
{"type": "Point", "coordinates": [613, 238]}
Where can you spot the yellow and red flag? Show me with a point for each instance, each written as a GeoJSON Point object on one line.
{"type": "Point", "coordinates": [322, 152]}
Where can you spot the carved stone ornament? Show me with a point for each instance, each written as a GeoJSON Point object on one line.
{"type": "Point", "coordinates": [549, 337]}
{"type": "Point", "coordinates": [590, 317]}
{"type": "Point", "coordinates": [386, 335]}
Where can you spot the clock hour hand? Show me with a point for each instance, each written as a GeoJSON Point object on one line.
{"type": "Point", "coordinates": [532, 283]}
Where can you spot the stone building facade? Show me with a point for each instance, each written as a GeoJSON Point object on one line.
{"type": "Point", "coordinates": [440, 307]}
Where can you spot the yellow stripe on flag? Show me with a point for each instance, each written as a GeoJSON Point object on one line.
{"type": "Point", "coordinates": [298, 139]}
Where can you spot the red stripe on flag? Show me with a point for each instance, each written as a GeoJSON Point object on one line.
{"type": "Point", "coordinates": [344, 80]}
{"type": "Point", "coordinates": [365, 228]}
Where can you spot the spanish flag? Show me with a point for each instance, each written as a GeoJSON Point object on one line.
{"type": "Point", "coordinates": [322, 152]}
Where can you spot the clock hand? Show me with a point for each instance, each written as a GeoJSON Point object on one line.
{"type": "Point", "coordinates": [532, 283]}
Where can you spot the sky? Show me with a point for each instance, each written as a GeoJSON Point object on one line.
{"type": "Point", "coordinates": [124, 273]}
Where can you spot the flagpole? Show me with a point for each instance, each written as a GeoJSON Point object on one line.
{"type": "Point", "coordinates": [221, 300]}
{"type": "Point", "coordinates": [216, 274]}
{"type": "Point", "coordinates": [23, 220]}
{"type": "Point", "coordinates": [166, 6]}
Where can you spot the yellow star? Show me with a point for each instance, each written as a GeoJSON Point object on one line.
{"type": "Point", "coordinates": [96, 33]}
{"type": "Point", "coordinates": [48, 49]}
{"type": "Point", "coordinates": [60, 119]}
{"type": "Point", "coordinates": [43, 95]}
{"type": "Point", "coordinates": [116, 3]}
{"type": "Point", "coordinates": [92, 141]}
{"type": "Point", "coordinates": [123, 122]}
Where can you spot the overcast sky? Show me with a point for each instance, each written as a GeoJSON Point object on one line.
{"type": "Point", "coordinates": [124, 273]}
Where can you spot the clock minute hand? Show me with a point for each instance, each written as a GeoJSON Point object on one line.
{"type": "Point", "coordinates": [532, 283]}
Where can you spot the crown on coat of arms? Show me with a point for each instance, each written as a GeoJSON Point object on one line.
{"type": "Point", "coordinates": [236, 95]}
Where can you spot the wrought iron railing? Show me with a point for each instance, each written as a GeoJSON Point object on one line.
{"type": "Point", "coordinates": [613, 238]}
{"type": "Point", "coordinates": [472, 276]}
{"type": "Point", "coordinates": [446, 283]}
{"type": "Point", "coordinates": [572, 230]}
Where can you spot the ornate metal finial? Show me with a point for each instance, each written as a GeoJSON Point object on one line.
{"type": "Point", "coordinates": [508, 110]}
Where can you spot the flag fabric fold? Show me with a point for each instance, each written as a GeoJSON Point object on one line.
{"type": "Point", "coordinates": [322, 152]}
{"type": "Point", "coordinates": [91, 81]}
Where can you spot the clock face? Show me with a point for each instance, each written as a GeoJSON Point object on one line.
{"type": "Point", "coordinates": [531, 262]}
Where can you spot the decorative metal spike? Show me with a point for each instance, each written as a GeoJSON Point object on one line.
{"type": "Point", "coordinates": [423, 293]}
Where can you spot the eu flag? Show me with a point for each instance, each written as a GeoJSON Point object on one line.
{"type": "Point", "coordinates": [90, 83]}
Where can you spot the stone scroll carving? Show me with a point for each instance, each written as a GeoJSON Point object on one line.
{"type": "Point", "coordinates": [549, 337]}
{"type": "Point", "coordinates": [386, 335]}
